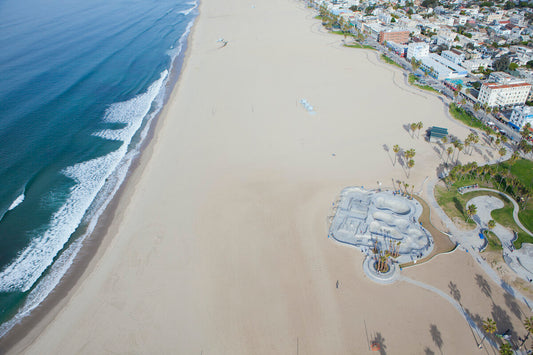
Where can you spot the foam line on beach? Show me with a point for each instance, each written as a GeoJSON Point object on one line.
{"type": "Point", "coordinates": [189, 10]}
{"type": "Point", "coordinates": [58, 269]}
{"type": "Point", "coordinates": [90, 177]}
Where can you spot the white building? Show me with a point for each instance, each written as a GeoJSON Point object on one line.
{"type": "Point", "coordinates": [446, 37]}
{"type": "Point", "coordinates": [520, 116]}
{"type": "Point", "coordinates": [502, 95]}
{"type": "Point", "coordinates": [517, 20]}
{"type": "Point", "coordinates": [501, 77]}
{"type": "Point", "coordinates": [417, 50]}
{"type": "Point", "coordinates": [454, 56]}
{"type": "Point", "coordinates": [441, 68]}
{"type": "Point", "coordinates": [474, 64]}
{"type": "Point", "coordinates": [493, 16]}
{"type": "Point", "coordinates": [460, 20]}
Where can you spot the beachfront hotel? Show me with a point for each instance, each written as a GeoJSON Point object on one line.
{"type": "Point", "coordinates": [503, 95]}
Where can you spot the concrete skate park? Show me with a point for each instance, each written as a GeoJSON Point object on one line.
{"type": "Point", "coordinates": [378, 222]}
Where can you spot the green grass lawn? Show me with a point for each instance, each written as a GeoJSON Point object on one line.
{"type": "Point", "coordinates": [526, 216]}
{"type": "Point", "coordinates": [390, 61]}
{"type": "Point", "coordinates": [523, 170]}
{"type": "Point", "coordinates": [427, 88]}
{"type": "Point", "coordinates": [454, 204]}
{"type": "Point", "coordinates": [412, 79]}
{"type": "Point", "coordinates": [358, 45]}
{"type": "Point", "coordinates": [347, 34]}
{"type": "Point", "coordinates": [461, 115]}
{"type": "Point", "coordinates": [494, 242]}
{"type": "Point", "coordinates": [353, 45]}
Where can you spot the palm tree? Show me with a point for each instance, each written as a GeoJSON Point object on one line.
{"type": "Point", "coordinates": [410, 165]}
{"type": "Point", "coordinates": [460, 147]}
{"type": "Point", "coordinates": [506, 349]}
{"type": "Point", "coordinates": [467, 144]}
{"type": "Point", "coordinates": [450, 152]}
{"type": "Point", "coordinates": [419, 126]}
{"type": "Point", "coordinates": [502, 152]}
{"type": "Point", "coordinates": [489, 326]}
{"type": "Point", "coordinates": [410, 153]}
{"type": "Point", "coordinates": [413, 127]}
{"type": "Point", "coordinates": [396, 150]}
{"type": "Point", "coordinates": [504, 139]}
{"type": "Point", "coordinates": [525, 132]}
{"type": "Point", "coordinates": [514, 157]}
{"type": "Point", "coordinates": [491, 224]}
{"type": "Point", "coordinates": [528, 324]}
{"type": "Point", "coordinates": [471, 210]}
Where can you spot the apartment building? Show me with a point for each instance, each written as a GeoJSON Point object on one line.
{"type": "Point", "coordinates": [503, 95]}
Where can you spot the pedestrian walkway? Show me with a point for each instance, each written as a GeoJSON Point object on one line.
{"type": "Point", "coordinates": [455, 304]}
{"type": "Point", "coordinates": [512, 257]}
{"type": "Point", "coordinates": [470, 242]}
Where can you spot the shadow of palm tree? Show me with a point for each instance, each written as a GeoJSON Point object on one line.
{"type": "Point", "coordinates": [387, 149]}
{"type": "Point", "coordinates": [503, 322]}
{"type": "Point", "coordinates": [436, 336]}
{"type": "Point", "coordinates": [438, 151]}
{"type": "Point", "coordinates": [507, 288]}
{"type": "Point", "coordinates": [428, 351]}
{"type": "Point", "coordinates": [510, 301]}
{"type": "Point", "coordinates": [380, 341]}
{"type": "Point", "coordinates": [484, 286]}
{"type": "Point", "coordinates": [454, 291]}
{"type": "Point", "coordinates": [474, 320]}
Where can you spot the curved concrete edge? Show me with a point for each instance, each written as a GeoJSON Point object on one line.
{"type": "Point", "coordinates": [385, 279]}
{"type": "Point", "coordinates": [516, 208]}
{"type": "Point", "coordinates": [404, 266]}
{"type": "Point", "coordinates": [430, 191]}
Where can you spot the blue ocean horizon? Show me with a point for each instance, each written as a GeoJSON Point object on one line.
{"type": "Point", "coordinates": [82, 83]}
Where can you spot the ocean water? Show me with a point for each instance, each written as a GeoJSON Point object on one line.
{"type": "Point", "coordinates": [80, 85]}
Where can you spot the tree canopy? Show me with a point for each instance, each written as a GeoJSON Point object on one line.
{"type": "Point", "coordinates": [430, 3]}
{"type": "Point", "coordinates": [501, 64]}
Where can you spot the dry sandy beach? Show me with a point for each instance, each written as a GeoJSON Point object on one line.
{"type": "Point", "coordinates": [219, 244]}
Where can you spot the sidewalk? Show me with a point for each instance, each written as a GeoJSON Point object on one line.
{"type": "Point", "coordinates": [470, 242]}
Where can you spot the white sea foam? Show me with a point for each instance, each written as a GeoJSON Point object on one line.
{"type": "Point", "coordinates": [188, 11]}
{"type": "Point", "coordinates": [110, 187]}
{"type": "Point", "coordinates": [90, 177]}
{"type": "Point", "coordinates": [17, 202]}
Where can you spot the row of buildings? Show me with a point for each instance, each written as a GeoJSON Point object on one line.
{"type": "Point", "coordinates": [451, 42]}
